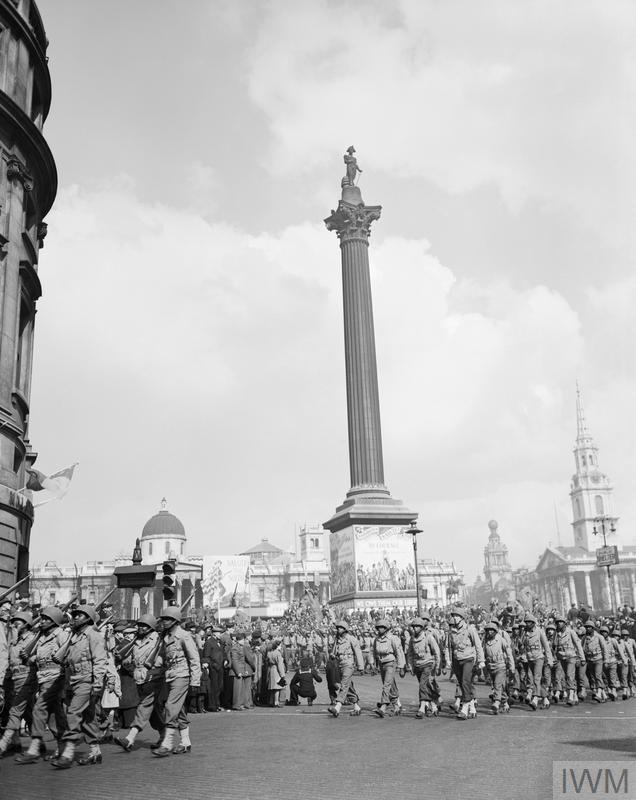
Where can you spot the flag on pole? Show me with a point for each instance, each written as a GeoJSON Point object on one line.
{"type": "Point", "coordinates": [57, 484]}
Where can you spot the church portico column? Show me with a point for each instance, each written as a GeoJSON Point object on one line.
{"type": "Point", "coordinates": [617, 591]}
{"type": "Point", "coordinates": [589, 598]}
{"type": "Point", "coordinates": [572, 584]}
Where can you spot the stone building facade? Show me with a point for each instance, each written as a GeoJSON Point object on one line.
{"type": "Point", "coordinates": [28, 184]}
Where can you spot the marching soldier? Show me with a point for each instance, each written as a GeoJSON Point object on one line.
{"type": "Point", "coordinates": [625, 662]}
{"type": "Point", "coordinates": [630, 646]}
{"type": "Point", "coordinates": [595, 651]}
{"type": "Point", "coordinates": [388, 653]}
{"type": "Point", "coordinates": [84, 658]}
{"type": "Point", "coordinates": [348, 655]}
{"type": "Point", "coordinates": [536, 651]}
{"type": "Point", "coordinates": [142, 656]}
{"type": "Point", "coordinates": [567, 647]}
{"type": "Point", "coordinates": [612, 658]}
{"type": "Point", "coordinates": [424, 660]}
{"type": "Point", "coordinates": [182, 670]}
{"type": "Point", "coordinates": [50, 683]}
{"type": "Point", "coordinates": [466, 650]}
{"type": "Point", "coordinates": [23, 683]}
{"type": "Point", "coordinates": [499, 661]}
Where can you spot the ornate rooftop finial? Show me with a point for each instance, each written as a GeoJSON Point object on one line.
{"type": "Point", "coordinates": [351, 163]}
{"type": "Point", "coordinates": [164, 504]}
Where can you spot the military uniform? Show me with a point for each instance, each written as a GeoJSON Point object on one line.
{"type": "Point", "coordinates": [22, 683]}
{"type": "Point", "coordinates": [536, 651]}
{"type": "Point", "coordinates": [347, 655]}
{"type": "Point", "coordinates": [389, 655]}
{"type": "Point", "coordinates": [148, 680]}
{"type": "Point", "coordinates": [567, 649]}
{"type": "Point", "coordinates": [423, 658]}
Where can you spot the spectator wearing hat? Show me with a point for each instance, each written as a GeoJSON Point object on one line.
{"type": "Point", "coordinates": [567, 649]}
{"type": "Point", "coordinates": [84, 658]}
{"type": "Point", "coordinates": [275, 672]}
{"type": "Point", "coordinates": [212, 658]}
{"type": "Point", "coordinates": [595, 650]}
{"type": "Point", "coordinates": [389, 655]}
{"type": "Point", "coordinates": [499, 660]}
{"type": "Point", "coordinates": [303, 683]}
{"type": "Point", "coordinates": [536, 651]}
{"type": "Point", "coordinates": [348, 655]}
{"type": "Point", "coordinates": [423, 658]}
{"type": "Point", "coordinates": [242, 663]}
{"type": "Point", "coordinates": [466, 651]}
{"type": "Point", "coordinates": [23, 679]}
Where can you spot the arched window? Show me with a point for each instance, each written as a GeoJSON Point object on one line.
{"type": "Point", "coordinates": [181, 548]}
{"type": "Point", "coordinates": [598, 502]}
{"type": "Point", "coordinates": [591, 457]}
{"type": "Point", "coordinates": [579, 512]}
{"type": "Point", "coordinates": [167, 548]}
{"type": "Point", "coordinates": [149, 548]}
{"type": "Point", "coordinates": [583, 460]}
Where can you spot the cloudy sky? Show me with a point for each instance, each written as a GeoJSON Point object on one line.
{"type": "Point", "coordinates": [189, 341]}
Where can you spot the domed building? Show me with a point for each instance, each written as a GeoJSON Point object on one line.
{"type": "Point", "coordinates": [163, 537]}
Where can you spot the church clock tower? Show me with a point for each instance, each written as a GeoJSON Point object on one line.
{"type": "Point", "coordinates": [591, 490]}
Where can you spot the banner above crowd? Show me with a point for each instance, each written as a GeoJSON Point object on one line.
{"type": "Point", "coordinates": [226, 581]}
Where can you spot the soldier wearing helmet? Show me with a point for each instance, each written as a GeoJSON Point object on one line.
{"type": "Point", "coordinates": [536, 651]}
{"type": "Point", "coordinates": [50, 683]}
{"type": "Point", "coordinates": [423, 658]}
{"type": "Point", "coordinates": [22, 675]}
{"type": "Point", "coordinates": [135, 656]}
{"type": "Point", "coordinates": [347, 654]}
{"type": "Point", "coordinates": [567, 649]}
{"type": "Point", "coordinates": [389, 655]}
{"type": "Point", "coordinates": [595, 650]}
{"type": "Point", "coordinates": [182, 670]}
{"type": "Point", "coordinates": [466, 651]}
{"type": "Point", "coordinates": [85, 662]}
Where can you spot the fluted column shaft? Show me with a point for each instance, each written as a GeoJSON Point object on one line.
{"type": "Point", "coordinates": [363, 404]}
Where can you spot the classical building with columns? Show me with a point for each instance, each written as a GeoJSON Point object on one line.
{"type": "Point", "coordinates": [28, 184]}
{"type": "Point", "coordinates": [566, 575]}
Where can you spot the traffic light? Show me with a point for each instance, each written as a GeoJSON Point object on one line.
{"type": "Point", "coordinates": [168, 582]}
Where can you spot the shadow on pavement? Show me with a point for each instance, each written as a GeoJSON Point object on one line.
{"type": "Point", "coordinates": [626, 744]}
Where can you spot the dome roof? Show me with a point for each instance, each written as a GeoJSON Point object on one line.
{"type": "Point", "coordinates": [263, 547]}
{"type": "Point", "coordinates": [164, 524]}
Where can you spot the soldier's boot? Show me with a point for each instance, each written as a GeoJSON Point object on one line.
{"type": "Point", "coordinates": [94, 756]}
{"type": "Point", "coordinates": [534, 703]}
{"type": "Point", "coordinates": [625, 693]}
{"type": "Point", "coordinates": [571, 698]}
{"type": "Point", "coordinates": [433, 710]}
{"type": "Point", "coordinates": [334, 710]}
{"type": "Point", "coordinates": [357, 711]}
{"type": "Point", "coordinates": [59, 748]}
{"type": "Point", "coordinates": [186, 744]}
{"type": "Point", "coordinates": [457, 705]}
{"type": "Point", "coordinates": [556, 696]}
{"type": "Point", "coordinates": [463, 711]}
{"type": "Point", "coordinates": [422, 711]}
{"type": "Point", "coordinates": [380, 710]}
{"type": "Point", "coordinates": [166, 745]}
{"type": "Point", "coordinates": [6, 742]}
{"type": "Point", "coordinates": [33, 754]}
{"type": "Point", "coordinates": [612, 694]}
{"type": "Point", "coordinates": [397, 709]}
{"type": "Point", "coordinates": [598, 696]}
{"type": "Point", "coordinates": [528, 697]}
{"type": "Point", "coordinates": [65, 761]}
{"type": "Point", "coordinates": [472, 709]}
{"type": "Point", "coordinates": [495, 706]}
{"type": "Point", "coordinates": [546, 703]}
{"type": "Point", "coordinates": [632, 691]}
{"type": "Point", "coordinates": [505, 707]}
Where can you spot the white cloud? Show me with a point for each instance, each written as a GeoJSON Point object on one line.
{"type": "Point", "coordinates": [535, 98]}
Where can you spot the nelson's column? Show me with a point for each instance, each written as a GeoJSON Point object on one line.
{"type": "Point", "coordinates": [28, 183]}
{"type": "Point", "coordinates": [369, 517]}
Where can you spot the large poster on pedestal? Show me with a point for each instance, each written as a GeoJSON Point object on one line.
{"type": "Point", "coordinates": [226, 581]}
{"type": "Point", "coordinates": [374, 559]}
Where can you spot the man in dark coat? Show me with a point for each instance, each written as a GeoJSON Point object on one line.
{"type": "Point", "coordinates": [302, 684]}
{"type": "Point", "coordinates": [213, 657]}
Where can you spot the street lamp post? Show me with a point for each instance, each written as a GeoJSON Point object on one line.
{"type": "Point", "coordinates": [601, 521]}
{"type": "Point", "coordinates": [414, 530]}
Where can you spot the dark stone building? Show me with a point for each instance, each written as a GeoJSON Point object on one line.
{"type": "Point", "coordinates": [28, 183]}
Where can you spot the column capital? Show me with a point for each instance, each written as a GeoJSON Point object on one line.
{"type": "Point", "coordinates": [352, 221]}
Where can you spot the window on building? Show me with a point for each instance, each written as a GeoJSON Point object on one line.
{"type": "Point", "coordinates": [91, 597]}
{"type": "Point", "coordinates": [149, 548]}
{"type": "Point", "coordinates": [181, 548]}
{"type": "Point", "coordinates": [583, 460]}
{"type": "Point", "coordinates": [579, 512]}
{"type": "Point", "coordinates": [598, 502]}
{"type": "Point", "coordinates": [591, 457]}
{"type": "Point", "coordinates": [261, 595]}
{"type": "Point", "coordinates": [52, 598]}
{"type": "Point", "coordinates": [167, 548]}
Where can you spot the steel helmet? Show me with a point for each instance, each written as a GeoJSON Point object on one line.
{"type": "Point", "coordinates": [25, 616]}
{"type": "Point", "coordinates": [419, 621]}
{"type": "Point", "coordinates": [171, 612]}
{"type": "Point", "coordinates": [90, 611]}
{"type": "Point", "coordinates": [383, 623]}
{"type": "Point", "coordinates": [530, 618]}
{"type": "Point", "coordinates": [53, 613]}
{"type": "Point", "coordinates": [148, 620]}
{"type": "Point", "coordinates": [343, 624]}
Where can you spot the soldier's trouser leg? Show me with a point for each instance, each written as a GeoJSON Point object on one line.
{"type": "Point", "coordinates": [498, 678]}
{"type": "Point", "coordinates": [611, 676]}
{"type": "Point", "coordinates": [174, 715]}
{"type": "Point", "coordinates": [49, 701]}
{"type": "Point", "coordinates": [80, 715]}
{"type": "Point", "coordinates": [622, 673]}
{"type": "Point", "coordinates": [569, 668]}
{"type": "Point", "coordinates": [423, 675]}
{"type": "Point", "coordinates": [346, 685]}
{"type": "Point", "coordinates": [389, 687]}
{"type": "Point", "coordinates": [595, 675]}
{"type": "Point", "coordinates": [147, 698]}
{"type": "Point", "coordinates": [535, 672]}
{"type": "Point", "coordinates": [463, 672]}
{"type": "Point", "coordinates": [546, 679]}
{"type": "Point", "coordinates": [581, 678]}
{"type": "Point", "coordinates": [23, 694]}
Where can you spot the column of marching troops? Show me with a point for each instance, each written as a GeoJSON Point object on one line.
{"type": "Point", "coordinates": [57, 669]}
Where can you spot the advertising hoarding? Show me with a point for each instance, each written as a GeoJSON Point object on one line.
{"type": "Point", "coordinates": [226, 581]}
